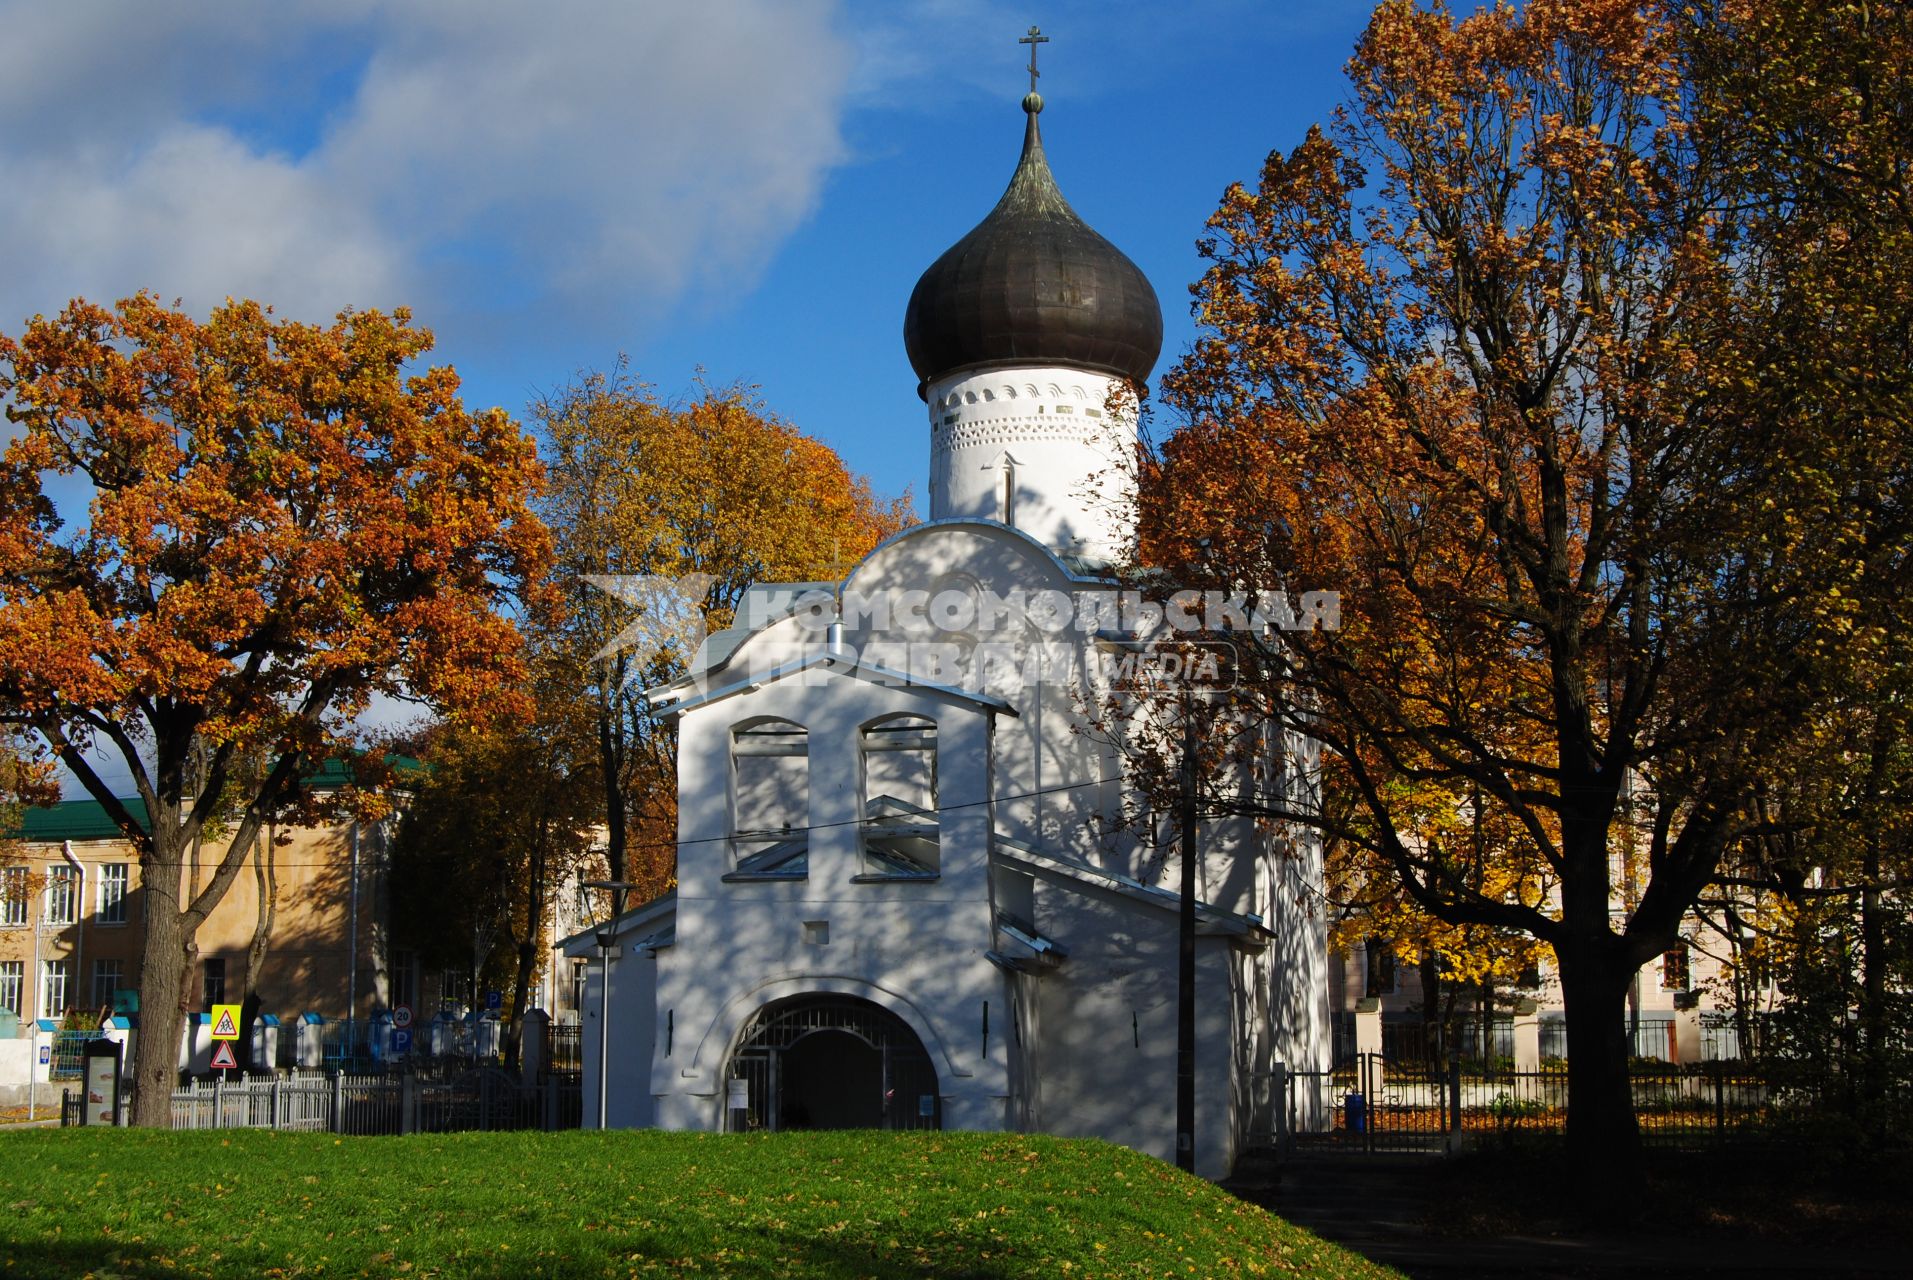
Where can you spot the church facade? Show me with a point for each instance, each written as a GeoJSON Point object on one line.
{"type": "Point", "coordinates": [917, 887]}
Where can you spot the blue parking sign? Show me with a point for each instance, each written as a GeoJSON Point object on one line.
{"type": "Point", "coordinates": [401, 1042]}
{"type": "Point", "coordinates": [494, 999]}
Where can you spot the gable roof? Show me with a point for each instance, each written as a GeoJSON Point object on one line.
{"type": "Point", "coordinates": [840, 663]}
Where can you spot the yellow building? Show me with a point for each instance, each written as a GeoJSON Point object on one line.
{"type": "Point", "coordinates": [71, 920]}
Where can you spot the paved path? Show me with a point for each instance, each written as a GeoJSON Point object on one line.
{"type": "Point", "coordinates": [1380, 1207]}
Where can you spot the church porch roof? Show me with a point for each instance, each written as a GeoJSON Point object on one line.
{"type": "Point", "coordinates": [1210, 920]}
{"type": "Point", "coordinates": [654, 924]}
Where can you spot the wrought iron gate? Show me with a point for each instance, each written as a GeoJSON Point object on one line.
{"type": "Point", "coordinates": [1377, 1106]}
{"type": "Point", "coordinates": [909, 1078]}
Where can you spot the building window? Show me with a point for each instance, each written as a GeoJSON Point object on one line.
{"type": "Point", "coordinates": [212, 977]}
{"type": "Point", "coordinates": [53, 976]}
{"type": "Point", "coordinates": [1674, 973]}
{"type": "Point", "coordinates": [454, 989]}
{"type": "Point", "coordinates": [113, 893]}
{"type": "Point", "coordinates": [900, 828]}
{"type": "Point", "coordinates": [1381, 968]}
{"type": "Point", "coordinates": [108, 976]}
{"type": "Point", "coordinates": [62, 906]}
{"type": "Point", "coordinates": [579, 968]}
{"type": "Point", "coordinates": [770, 800]}
{"type": "Point", "coordinates": [13, 896]}
{"type": "Point", "coordinates": [405, 979]}
{"type": "Point", "coordinates": [13, 980]}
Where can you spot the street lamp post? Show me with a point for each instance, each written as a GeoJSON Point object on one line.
{"type": "Point", "coordinates": [606, 933]}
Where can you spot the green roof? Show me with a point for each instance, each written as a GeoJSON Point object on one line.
{"type": "Point", "coordinates": [86, 819]}
{"type": "Point", "coordinates": [76, 820]}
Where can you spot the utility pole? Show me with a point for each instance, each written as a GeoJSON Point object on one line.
{"type": "Point", "coordinates": [606, 937]}
{"type": "Point", "coordinates": [1186, 955]}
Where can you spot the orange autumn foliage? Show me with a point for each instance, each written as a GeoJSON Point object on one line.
{"type": "Point", "coordinates": [1472, 359]}
{"type": "Point", "coordinates": [281, 520]}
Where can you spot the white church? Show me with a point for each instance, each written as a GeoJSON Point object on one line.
{"type": "Point", "coordinates": [912, 893]}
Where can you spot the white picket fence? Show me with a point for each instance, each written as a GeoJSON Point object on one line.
{"type": "Point", "coordinates": [298, 1101]}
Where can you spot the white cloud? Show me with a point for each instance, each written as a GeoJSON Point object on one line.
{"type": "Point", "coordinates": [477, 161]}
{"type": "Point", "coordinates": [197, 215]}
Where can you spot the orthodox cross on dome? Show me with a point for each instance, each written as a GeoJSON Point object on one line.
{"type": "Point", "coordinates": [1034, 38]}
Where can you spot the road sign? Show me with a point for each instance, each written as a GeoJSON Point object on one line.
{"type": "Point", "coordinates": [494, 1000]}
{"type": "Point", "coordinates": [402, 1017]}
{"type": "Point", "coordinates": [223, 1059]}
{"type": "Point", "coordinates": [225, 1022]}
{"type": "Point", "coordinates": [401, 1042]}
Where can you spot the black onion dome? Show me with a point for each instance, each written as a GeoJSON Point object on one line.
{"type": "Point", "coordinates": [1032, 284]}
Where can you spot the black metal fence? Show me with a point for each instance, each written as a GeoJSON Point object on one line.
{"type": "Point", "coordinates": [1371, 1105]}
{"type": "Point", "coordinates": [1427, 1047]}
{"type": "Point", "coordinates": [564, 1044]}
{"type": "Point", "coordinates": [1411, 1044]}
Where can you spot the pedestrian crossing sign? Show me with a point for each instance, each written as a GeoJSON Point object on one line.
{"type": "Point", "coordinates": [225, 1022]}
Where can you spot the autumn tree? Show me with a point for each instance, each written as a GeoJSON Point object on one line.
{"type": "Point", "coordinates": [23, 782]}
{"type": "Point", "coordinates": [497, 822]}
{"type": "Point", "coordinates": [1373, 908]}
{"type": "Point", "coordinates": [687, 505]}
{"type": "Point", "coordinates": [281, 522]}
{"type": "Point", "coordinates": [1814, 106]}
{"type": "Point", "coordinates": [1463, 364]}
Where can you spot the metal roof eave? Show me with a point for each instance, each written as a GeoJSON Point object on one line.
{"type": "Point", "coordinates": [584, 945]}
{"type": "Point", "coordinates": [1210, 920]}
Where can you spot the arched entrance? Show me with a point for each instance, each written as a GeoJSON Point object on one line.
{"type": "Point", "coordinates": [831, 1062]}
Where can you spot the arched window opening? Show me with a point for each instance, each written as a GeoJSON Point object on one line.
{"type": "Point", "coordinates": [770, 801]}
{"type": "Point", "coordinates": [900, 820]}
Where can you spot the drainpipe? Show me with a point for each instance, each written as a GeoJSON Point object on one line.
{"type": "Point", "coordinates": [352, 944]}
{"type": "Point", "coordinates": [38, 918]}
{"type": "Point", "coordinates": [79, 916]}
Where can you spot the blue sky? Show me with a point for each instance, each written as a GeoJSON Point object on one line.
{"type": "Point", "coordinates": [750, 187]}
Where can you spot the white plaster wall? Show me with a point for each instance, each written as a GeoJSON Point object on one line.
{"type": "Point", "coordinates": [1073, 459]}
{"type": "Point", "coordinates": [634, 985]}
{"type": "Point", "coordinates": [1042, 776]}
{"type": "Point", "coordinates": [1055, 780]}
{"type": "Point", "coordinates": [1106, 1053]}
{"type": "Point", "coordinates": [1298, 964]}
{"type": "Point", "coordinates": [16, 1061]}
{"type": "Point", "coordinates": [914, 948]}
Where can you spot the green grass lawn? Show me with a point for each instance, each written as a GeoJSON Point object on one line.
{"type": "Point", "coordinates": [249, 1203]}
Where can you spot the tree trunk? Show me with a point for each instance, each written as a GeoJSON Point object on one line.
{"type": "Point", "coordinates": [1487, 1029]}
{"type": "Point", "coordinates": [1875, 1033]}
{"type": "Point", "coordinates": [1432, 1039]}
{"type": "Point", "coordinates": [530, 940]}
{"type": "Point", "coordinates": [164, 982]}
{"type": "Point", "coordinates": [266, 877]}
{"type": "Point", "coordinates": [521, 992]}
{"type": "Point", "coordinates": [1604, 1138]}
{"type": "Point", "coordinates": [611, 750]}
